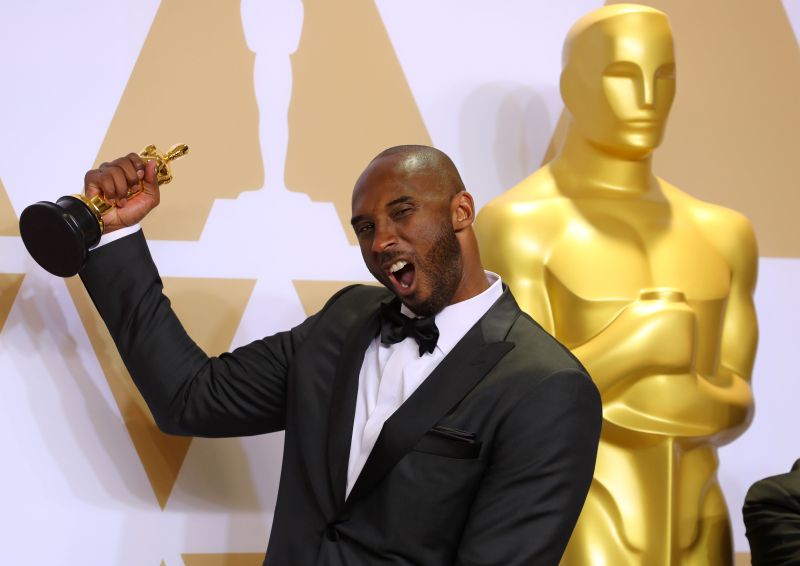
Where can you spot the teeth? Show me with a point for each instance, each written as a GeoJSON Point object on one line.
{"type": "Point", "coordinates": [397, 266]}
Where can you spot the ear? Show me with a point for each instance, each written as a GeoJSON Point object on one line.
{"type": "Point", "coordinates": [462, 209]}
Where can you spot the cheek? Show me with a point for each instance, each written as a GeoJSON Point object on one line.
{"type": "Point", "coordinates": [620, 92]}
{"type": "Point", "coordinates": [665, 94]}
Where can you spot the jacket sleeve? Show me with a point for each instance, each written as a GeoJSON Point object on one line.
{"type": "Point", "coordinates": [188, 392]}
{"type": "Point", "coordinates": [538, 476]}
{"type": "Point", "coordinates": [772, 519]}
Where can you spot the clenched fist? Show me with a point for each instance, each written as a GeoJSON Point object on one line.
{"type": "Point", "coordinates": [115, 180]}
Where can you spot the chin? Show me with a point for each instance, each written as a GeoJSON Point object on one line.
{"type": "Point", "coordinates": [634, 146]}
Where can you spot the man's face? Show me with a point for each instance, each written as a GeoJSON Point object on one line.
{"type": "Point", "coordinates": [403, 225]}
{"type": "Point", "coordinates": [620, 83]}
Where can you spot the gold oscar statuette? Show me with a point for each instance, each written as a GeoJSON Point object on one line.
{"type": "Point", "coordinates": [59, 235]}
{"type": "Point", "coordinates": [650, 288]}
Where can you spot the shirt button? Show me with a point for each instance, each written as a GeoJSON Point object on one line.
{"type": "Point", "coordinates": [331, 533]}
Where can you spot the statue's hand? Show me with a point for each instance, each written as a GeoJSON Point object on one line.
{"type": "Point", "coordinates": [660, 333]}
{"type": "Point", "coordinates": [114, 180]}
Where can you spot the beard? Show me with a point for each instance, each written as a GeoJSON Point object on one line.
{"type": "Point", "coordinates": [441, 270]}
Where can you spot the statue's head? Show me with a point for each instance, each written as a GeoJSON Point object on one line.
{"type": "Point", "coordinates": [618, 78]}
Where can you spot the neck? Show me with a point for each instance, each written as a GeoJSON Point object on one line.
{"type": "Point", "coordinates": [585, 169]}
{"type": "Point", "coordinates": [473, 280]}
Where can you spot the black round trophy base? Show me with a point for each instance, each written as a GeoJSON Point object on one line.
{"type": "Point", "coordinates": [59, 235]}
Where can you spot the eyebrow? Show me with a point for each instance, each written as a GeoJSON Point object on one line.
{"type": "Point", "coordinates": [356, 219]}
{"type": "Point", "coordinates": [399, 200]}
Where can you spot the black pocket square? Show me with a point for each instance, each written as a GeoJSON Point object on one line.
{"type": "Point", "coordinates": [449, 442]}
{"type": "Point", "coordinates": [454, 433]}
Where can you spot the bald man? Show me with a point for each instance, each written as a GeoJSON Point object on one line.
{"type": "Point", "coordinates": [429, 422]}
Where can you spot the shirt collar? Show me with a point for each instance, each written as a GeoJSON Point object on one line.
{"type": "Point", "coordinates": [455, 320]}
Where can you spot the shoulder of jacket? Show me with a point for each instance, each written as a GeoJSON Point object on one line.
{"type": "Point", "coordinates": [357, 297]}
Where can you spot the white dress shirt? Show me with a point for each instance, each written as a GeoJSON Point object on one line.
{"type": "Point", "coordinates": [117, 234]}
{"type": "Point", "coordinates": [390, 374]}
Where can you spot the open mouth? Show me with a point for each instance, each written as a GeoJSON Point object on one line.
{"type": "Point", "coordinates": [402, 274]}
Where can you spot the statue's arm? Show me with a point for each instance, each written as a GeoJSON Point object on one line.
{"type": "Point", "coordinates": [740, 327]}
{"type": "Point", "coordinates": [645, 338]}
{"type": "Point", "coordinates": [732, 234]}
{"type": "Point", "coordinates": [502, 236]}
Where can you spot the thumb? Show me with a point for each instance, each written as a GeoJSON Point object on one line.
{"type": "Point", "coordinates": [150, 181]}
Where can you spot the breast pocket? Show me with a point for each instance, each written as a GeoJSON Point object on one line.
{"type": "Point", "coordinates": [450, 443]}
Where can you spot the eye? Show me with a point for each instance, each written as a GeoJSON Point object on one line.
{"type": "Point", "coordinates": [402, 211]}
{"type": "Point", "coordinates": [666, 72]}
{"type": "Point", "coordinates": [363, 229]}
{"type": "Point", "coordinates": [623, 69]}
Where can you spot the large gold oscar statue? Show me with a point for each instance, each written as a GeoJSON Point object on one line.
{"type": "Point", "coordinates": [649, 287]}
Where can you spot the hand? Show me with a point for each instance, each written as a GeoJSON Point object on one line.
{"type": "Point", "coordinates": [114, 180]}
{"type": "Point", "coordinates": [661, 332]}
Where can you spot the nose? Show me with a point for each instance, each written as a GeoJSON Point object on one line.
{"type": "Point", "coordinates": [648, 91]}
{"type": "Point", "coordinates": [385, 237]}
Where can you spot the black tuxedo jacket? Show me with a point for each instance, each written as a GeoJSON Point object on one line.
{"type": "Point", "coordinates": [488, 462]}
{"type": "Point", "coordinates": [772, 517]}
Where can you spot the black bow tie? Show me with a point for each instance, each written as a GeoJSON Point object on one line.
{"type": "Point", "coordinates": [396, 327]}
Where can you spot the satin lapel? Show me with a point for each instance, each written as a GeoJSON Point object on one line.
{"type": "Point", "coordinates": [471, 359]}
{"type": "Point", "coordinates": [343, 402]}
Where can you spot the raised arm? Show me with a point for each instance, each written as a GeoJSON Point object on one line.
{"type": "Point", "coordinates": [238, 393]}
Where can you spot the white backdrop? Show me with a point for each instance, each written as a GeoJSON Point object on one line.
{"type": "Point", "coordinates": [484, 78]}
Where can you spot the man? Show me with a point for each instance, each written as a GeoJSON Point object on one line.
{"type": "Point", "coordinates": [772, 517]}
{"type": "Point", "coordinates": [476, 448]}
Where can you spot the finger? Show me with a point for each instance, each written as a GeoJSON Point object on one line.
{"type": "Point", "coordinates": [150, 177]}
{"type": "Point", "coordinates": [121, 185]}
{"type": "Point", "coordinates": [138, 163]}
{"type": "Point", "coordinates": [107, 186]}
{"type": "Point", "coordinates": [91, 183]}
{"type": "Point", "coordinates": [129, 169]}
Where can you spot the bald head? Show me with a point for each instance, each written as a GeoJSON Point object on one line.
{"type": "Point", "coordinates": [411, 160]}
{"type": "Point", "coordinates": [413, 220]}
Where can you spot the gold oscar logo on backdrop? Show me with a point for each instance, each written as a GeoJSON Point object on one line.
{"type": "Point", "coordinates": [8, 220]}
{"type": "Point", "coordinates": [10, 283]}
{"type": "Point", "coordinates": [351, 100]}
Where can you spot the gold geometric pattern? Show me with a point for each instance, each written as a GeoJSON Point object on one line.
{"type": "Point", "coordinates": [210, 310]}
{"type": "Point", "coordinates": [9, 287]}
{"type": "Point", "coordinates": [314, 294]}
{"type": "Point", "coordinates": [348, 85]}
{"type": "Point", "coordinates": [9, 225]}
{"type": "Point", "coordinates": [732, 133]}
{"type": "Point", "coordinates": [232, 559]}
{"type": "Point", "coordinates": [191, 87]}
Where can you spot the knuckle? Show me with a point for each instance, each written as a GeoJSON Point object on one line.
{"type": "Point", "coordinates": [136, 159]}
